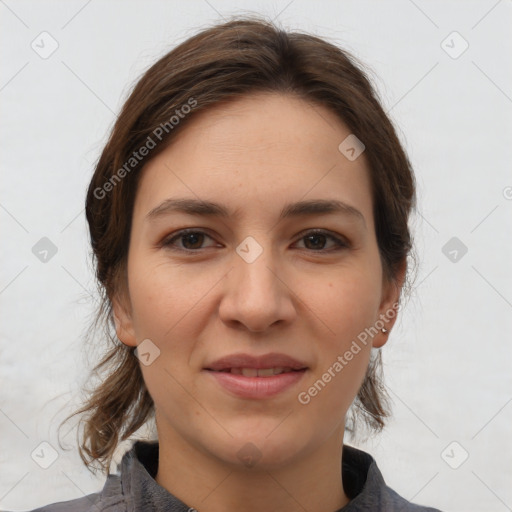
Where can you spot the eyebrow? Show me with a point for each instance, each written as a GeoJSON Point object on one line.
{"type": "Point", "coordinates": [211, 209]}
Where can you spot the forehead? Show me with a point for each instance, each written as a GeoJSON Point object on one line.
{"type": "Point", "coordinates": [260, 150]}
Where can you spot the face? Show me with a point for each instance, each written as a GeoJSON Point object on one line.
{"type": "Point", "coordinates": [253, 281]}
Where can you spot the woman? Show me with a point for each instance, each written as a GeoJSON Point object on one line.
{"type": "Point", "coordinates": [248, 218]}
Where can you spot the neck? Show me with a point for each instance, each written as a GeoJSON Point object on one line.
{"type": "Point", "coordinates": [206, 483]}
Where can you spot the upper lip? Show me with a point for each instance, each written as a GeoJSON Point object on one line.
{"type": "Point", "coordinates": [272, 360]}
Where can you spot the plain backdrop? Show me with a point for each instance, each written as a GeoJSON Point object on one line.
{"type": "Point", "coordinates": [442, 69]}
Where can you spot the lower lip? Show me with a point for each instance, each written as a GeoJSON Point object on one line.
{"type": "Point", "coordinates": [256, 387]}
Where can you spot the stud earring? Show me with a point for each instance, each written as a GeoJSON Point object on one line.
{"type": "Point", "coordinates": [384, 330]}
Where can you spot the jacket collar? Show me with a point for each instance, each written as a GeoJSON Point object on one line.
{"type": "Point", "coordinates": [139, 466]}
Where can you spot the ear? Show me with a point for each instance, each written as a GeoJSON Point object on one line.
{"type": "Point", "coordinates": [123, 321]}
{"type": "Point", "coordinates": [388, 309]}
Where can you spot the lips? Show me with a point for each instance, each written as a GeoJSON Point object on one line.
{"type": "Point", "coordinates": [256, 366]}
{"type": "Point", "coordinates": [255, 372]}
{"type": "Point", "coordinates": [256, 377]}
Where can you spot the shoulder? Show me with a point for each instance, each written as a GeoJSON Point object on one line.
{"type": "Point", "coordinates": [110, 499]}
{"type": "Point", "coordinates": [390, 500]}
{"type": "Point", "coordinates": [367, 488]}
{"type": "Point", "coordinates": [88, 503]}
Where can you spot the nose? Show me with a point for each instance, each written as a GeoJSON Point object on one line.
{"type": "Point", "coordinates": [257, 294]}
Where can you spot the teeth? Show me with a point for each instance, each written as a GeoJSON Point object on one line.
{"type": "Point", "coordinates": [267, 372]}
{"type": "Point", "coordinates": [262, 372]}
{"type": "Point", "coordinates": [249, 372]}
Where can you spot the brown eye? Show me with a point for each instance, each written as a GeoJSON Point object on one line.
{"type": "Point", "coordinates": [191, 240]}
{"type": "Point", "coordinates": [317, 240]}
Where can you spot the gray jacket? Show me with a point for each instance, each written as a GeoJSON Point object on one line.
{"type": "Point", "coordinates": [134, 489]}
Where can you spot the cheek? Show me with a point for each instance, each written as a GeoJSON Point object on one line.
{"type": "Point", "coordinates": [163, 298]}
{"type": "Point", "coordinates": [346, 306]}
{"type": "Point", "coordinates": [165, 309]}
{"type": "Point", "coordinates": [169, 308]}
{"type": "Point", "coordinates": [345, 301]}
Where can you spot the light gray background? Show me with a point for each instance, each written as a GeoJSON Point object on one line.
{"type": "Point", "coordinates": [447, 362]}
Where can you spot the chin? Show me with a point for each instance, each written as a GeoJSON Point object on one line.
{"type": "Point", "coordinates": [260, 450]}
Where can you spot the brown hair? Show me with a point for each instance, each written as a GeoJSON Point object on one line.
{"type": "Point", "coordinates": [223, 62]}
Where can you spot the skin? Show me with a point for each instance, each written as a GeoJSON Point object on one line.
{"type": "Point", "coordinates": [254, 155]}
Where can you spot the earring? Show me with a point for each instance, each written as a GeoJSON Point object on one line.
{"type": "Point", "coordinates": [384, 330]}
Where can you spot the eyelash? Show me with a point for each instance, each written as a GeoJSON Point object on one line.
{"type": "Point", "coordinates": [341, 243]}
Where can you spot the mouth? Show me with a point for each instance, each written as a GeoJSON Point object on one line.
{"type": "Point", "coordinates": [266, 364]}
{"type": "Point", "coordinates": [256, 377]}
{"type": "Point", "coordinates": [258, 372]}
